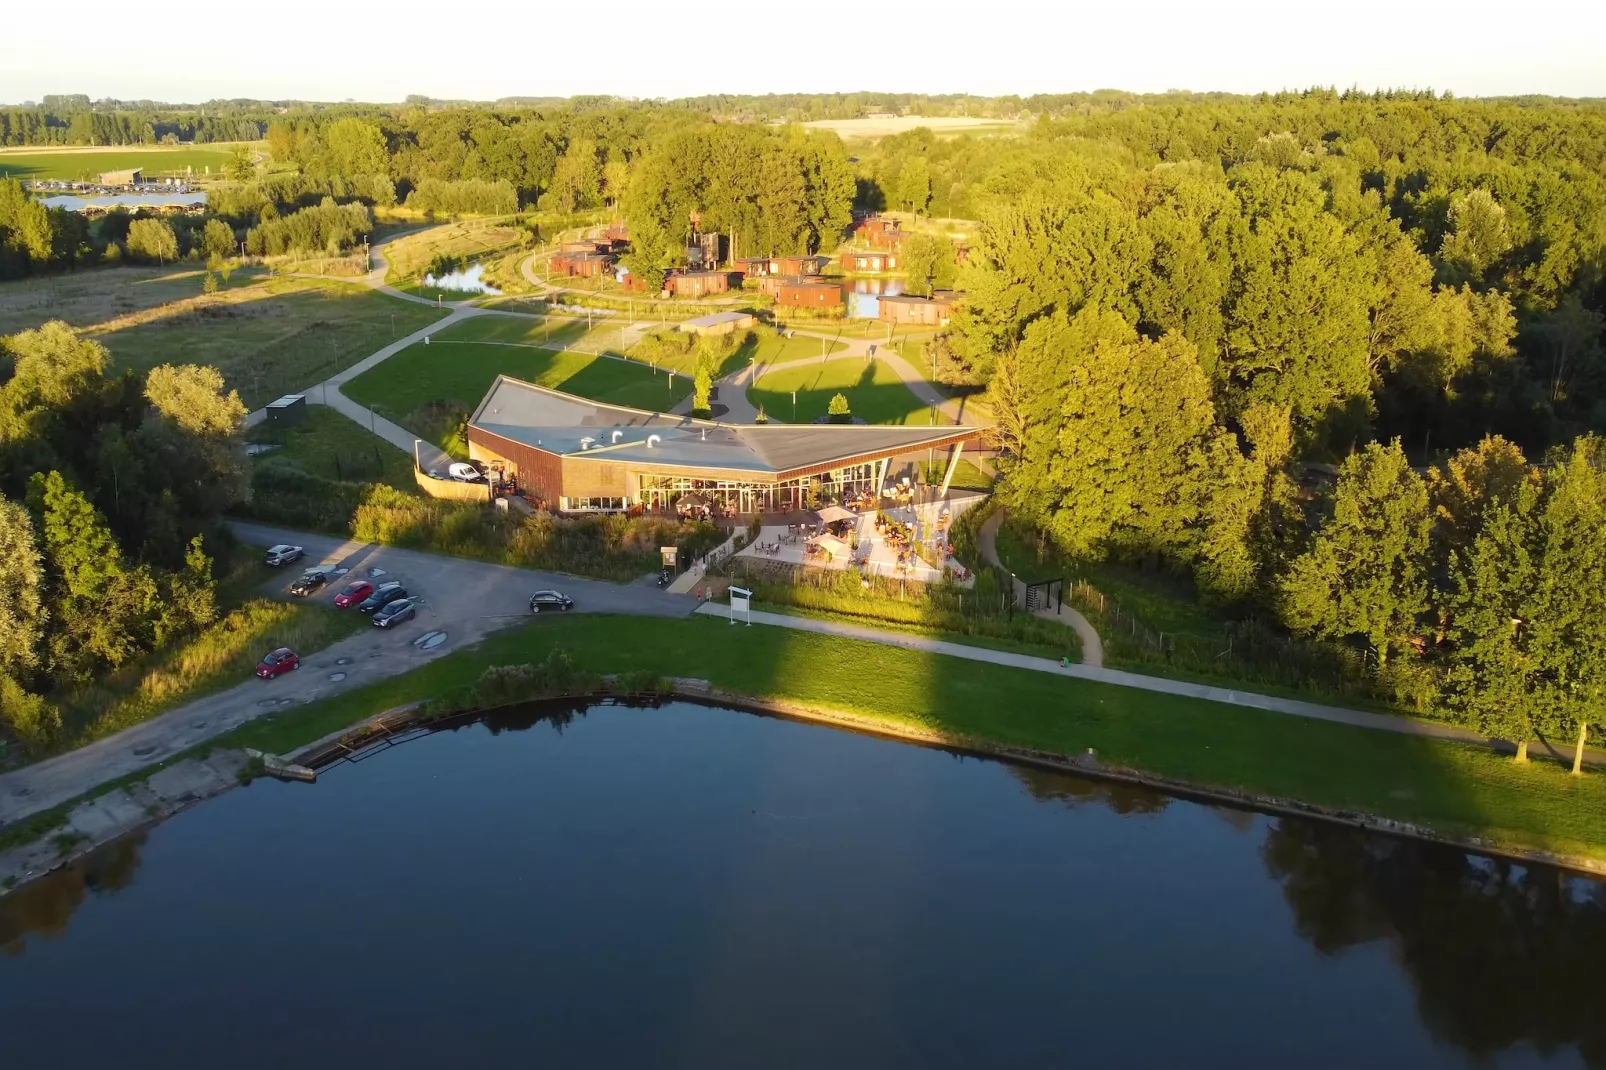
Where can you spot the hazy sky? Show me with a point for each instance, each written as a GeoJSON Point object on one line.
{"type": "Point", "coordinates": [482, 50]}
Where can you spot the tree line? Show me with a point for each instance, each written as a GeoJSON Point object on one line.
{"type": "Point", "coordinates": [110, 491]}
{"type": "Point", "coordinates": [1171, 340]}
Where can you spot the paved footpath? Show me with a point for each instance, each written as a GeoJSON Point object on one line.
{"type": "Point", "coordinates": [1315, 711]}
{"type": "Point", "coordinates": [1092, 645]}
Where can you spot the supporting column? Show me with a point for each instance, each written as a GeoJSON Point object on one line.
{"type": "Point", "coordinates": [880, 478]}
{"type": "Point", "coordinates": [953, 463]}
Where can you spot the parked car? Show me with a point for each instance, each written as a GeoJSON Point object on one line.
{"type": "Point", "coordinates": [395, 613]}
{"type": "Point", "coordinates": [383, 595]}
{"type": "Point", "coordinates": [550, 600]}
{"type": "Point", "coordinates": [283, 554]}
{"type": "Point", "coordinates": [353, 592]}
{"type": "Point", "coordinates": [311, 581]}
{"type": "Point", "coordinates": [278, 663]}
{"type": "Point", "coordinates": [465, 473]}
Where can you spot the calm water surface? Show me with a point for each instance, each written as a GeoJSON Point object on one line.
{"type": "Point", "coordinates": [688, 886]}
{"type": "Point", "coordinates": [465, 280]}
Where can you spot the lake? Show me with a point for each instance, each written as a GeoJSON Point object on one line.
{"type": "Point", "coordinates": [694, 886]}
{"type": "Point", "coordinates": [465, 280]}
{"type": "Point", "coordinates": [131, 201]}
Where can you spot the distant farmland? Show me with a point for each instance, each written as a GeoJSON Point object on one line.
{"type": "Point", "coordinates": [941, 125]}
{"type": "Point", "coordinates": [74, 165]}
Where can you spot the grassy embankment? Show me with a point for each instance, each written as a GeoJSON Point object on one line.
{"type": "Point", "coordinates": [268, 336]}
{"type": "Point", "coordinates": [468, 241]}
{"type": "Point", "coordinates": [1456, 789]}
{"type": "Point", "coordinates": [86, 166]}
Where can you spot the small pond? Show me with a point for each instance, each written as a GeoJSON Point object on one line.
{"type": "Point", "coordinates": [465, 280]}
{"type": "Point", "coordinates": [691, 886]}
{"type": "Point", "coordinates": [130, 201]}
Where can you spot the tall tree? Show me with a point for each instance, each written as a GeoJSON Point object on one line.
{"type": "Point", "coordinates": [1366, 573]}
{"type": "Point", "coordinates": [22, 612]}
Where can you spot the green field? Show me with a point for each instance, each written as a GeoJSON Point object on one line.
{"type": "Point", "coordinates": [459, 371]}
{"type": "Point", "coordinates": [85, 166]}
{"type": "Point", "coordinates": [874, 393]}
{"type": "Point", "coordinates": [1457, 789]}
{"type": "Point", "coordinates": [328, 444]}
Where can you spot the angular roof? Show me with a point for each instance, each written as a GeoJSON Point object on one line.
{"type": "Point", "coordinates": [566, 425]}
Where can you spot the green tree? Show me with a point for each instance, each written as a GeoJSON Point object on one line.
{"type": "Point", "coordinates": [928, 263]}
{"type": "Point", "coordinates": [241, 166]}
{"type": "Point", "coordinates": [703, 378]}
{"type": "Point", "coordinates": [196, 398]}
{"type": "Point", "coordinates": [914, 185]}
{"type": "Point", "coordinates": [217, 239]}
{"type": "Point", "coordinates": [35, 722]}
{"type": "Point", "coordinates": [356, 147]}
{"type": "Point", "coordinates": [22, 612]}
{"type": "Point", "coordinates": [1478, 234]}
{"type": "Point", "coordinates": [152, 239]}
{"type": "Point", "coordinates": [1568, 615]}
{"type": "Point", "coordinates": [838, 410]}
{"type": "Point", "coordinates": [1366, 573]}
{"type": "Point", "coordinates": [1493, 678]}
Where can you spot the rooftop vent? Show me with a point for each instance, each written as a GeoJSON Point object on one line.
{"type": "Point", "coordinates": [615, 437]}
{"type": "Point", "coordinates": [652, 439]}
{"type": "Point", "coordinates": [585, 443]}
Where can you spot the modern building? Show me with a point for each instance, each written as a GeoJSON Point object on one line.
{"type": "Point", "coordinates": [584, 264]}
{"type": "Point", "coordinates": [909, 310]}
{"type": "Point", "coordinates": [800, 292]}
{"type": "Point", "coordinates": [698, 283]}
{"type": "Point", "coordinates": [719, 323]}
{"type": "Point", "coordinates": [131, 177]}
{"type": "Point", "coordinates": [577, 455]}
{"type": "Point", "coordinates": [753, 267]}
{"type": "Point", "coordinates": [873, 260]}
{"type": "Point", "coordinates": [879, 232]}
{"type": "Point", "coordinates": [798, 265]}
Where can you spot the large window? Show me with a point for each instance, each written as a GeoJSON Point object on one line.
{"type": "Point", "coordinates": [593, 505]}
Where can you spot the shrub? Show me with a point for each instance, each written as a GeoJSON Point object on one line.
{"type": "Point", "coordinates": [838, 411]}
{"type": "Point", "coordinates": [606, 545]}
{"type": "Point", "coordinates": [34, 722]}
{"type": "Point", "coordinates": [284, 494]}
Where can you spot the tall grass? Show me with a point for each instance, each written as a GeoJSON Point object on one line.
{"type": "Point", "coordinates": [216, 658]}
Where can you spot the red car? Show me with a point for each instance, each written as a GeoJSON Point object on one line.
{"type": "Point", "coordinates": [353, 593]}
{"type": "Point", "coordinates": [277, 663]}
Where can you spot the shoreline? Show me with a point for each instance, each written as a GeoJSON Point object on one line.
{"type": "Point", "coordinates": [170, 790]}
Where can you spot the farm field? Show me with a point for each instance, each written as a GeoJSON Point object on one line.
{"type": "Point", "coordinates": [875, 394]}
{"type": "Point", "coordinates": [941, 125]}
{"type": "Point", "coordinates": [86, 165]}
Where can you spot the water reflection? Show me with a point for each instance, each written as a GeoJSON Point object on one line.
{"type": "Point", "coordinates": [44, 907]}
{"type": "Point", "coordinates": [466, 280]}
{"type": "Point", "coordinates": [1499, 954]}
{"type": "Point", "coordinates": [1501, 958]}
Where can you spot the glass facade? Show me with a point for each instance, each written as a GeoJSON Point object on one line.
{"type": "Point", "coordinates": [658, 493]}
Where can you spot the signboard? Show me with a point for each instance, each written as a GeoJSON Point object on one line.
{"type": "Point", "coordinates": [670, 555]}
{"type": "Point", "coordinates": [741, 602]}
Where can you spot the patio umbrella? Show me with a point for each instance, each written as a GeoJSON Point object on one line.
{"type": "Point", "coordinates": [833, 513]}
{"type": "Point", "coordinates": [833, 546]}
{"type": "Point", "coordinates": [691, 499]}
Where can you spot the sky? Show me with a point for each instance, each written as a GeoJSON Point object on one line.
{"type": "Point", "coordinates": [484, 49]}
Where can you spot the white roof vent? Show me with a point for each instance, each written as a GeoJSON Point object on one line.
{"type": "Point", "coordinates": [616, 435]}
{"type": "Point", "coordinates": [585, 443]}
{"type": "Point", "coordinates": [652, 439]}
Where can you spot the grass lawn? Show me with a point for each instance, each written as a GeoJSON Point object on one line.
{"type": "Point", "coordinates": [86, 166]}
{"type": "Point", "coordinates": [268, 336]}
{"type": "Point", "coordinates": [874, 393]}
{"type": "Point", "coordinates": [333, 446]}
{"type": "Point", "coordinates": [404, 387]}
{"type": "Point", "coordinates": [1455, 788]}
{"type": "Point", "coordinates": [966, 477]}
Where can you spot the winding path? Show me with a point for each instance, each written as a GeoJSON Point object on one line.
{"type": "Point", "coordinates": [1092, 645]}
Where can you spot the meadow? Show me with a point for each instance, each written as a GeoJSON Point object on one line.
{"type": "Point", "coordinates": [86, 165]}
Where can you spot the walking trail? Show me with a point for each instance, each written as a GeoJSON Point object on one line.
{"type": "Point", "coordinates": [1092, 645]}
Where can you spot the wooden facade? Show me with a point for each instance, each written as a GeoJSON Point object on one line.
{"type": "Point", "coordinates": [872, 261]}
{"type": "Point", "coordinates": [908, 310]}
{"type": "Point", "coordinates": [804, 293]}
{"type": "Point", "coordinates": [698, 283]}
